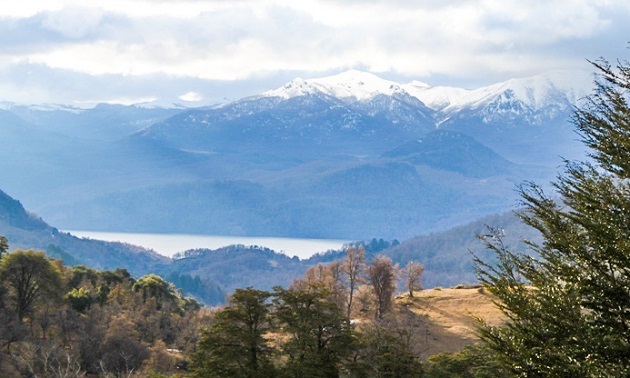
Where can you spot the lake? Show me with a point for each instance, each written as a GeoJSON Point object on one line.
{"type": "Point", "coordinates": [169, 244]}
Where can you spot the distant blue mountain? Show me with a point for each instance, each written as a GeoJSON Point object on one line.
{"type": "Point", "coordinates": [451, 151]}
{"type": "Point", "coordinates": [307, 126]}
{"type": "Point", "coordinates": [350, 156]}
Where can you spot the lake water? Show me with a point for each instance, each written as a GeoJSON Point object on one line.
{"type": "Point", "coordinates": [169, 244]}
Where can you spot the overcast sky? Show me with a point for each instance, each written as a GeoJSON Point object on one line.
{"type": "Point", "coordinates": [201, 52]}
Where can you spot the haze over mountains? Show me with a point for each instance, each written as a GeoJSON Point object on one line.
{"type": "Point", "coordinates": [350, 156]}
{"type": "Point", "coordinates": [211, 274]}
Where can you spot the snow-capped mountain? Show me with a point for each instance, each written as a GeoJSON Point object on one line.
{"type": "Point", "coordinates": [349, 85]}
{"type": "Point", "coordinates": [349, 155]}
{"type": "Point", "coordinates": [535, 93]}
{"type": "Point", "coordinates": [486, 113]}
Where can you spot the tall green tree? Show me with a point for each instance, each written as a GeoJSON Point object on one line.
{"type": "Point", "coordinates": [384, 351]}
{"type": "Point", "coordinates": [318, 334]}
{"type": "Point", "coordinates": [235, 345]}
{"type": "Point", "coordinates": [29, 276]}
{"type": "Point", "coordinates": [568, 308]}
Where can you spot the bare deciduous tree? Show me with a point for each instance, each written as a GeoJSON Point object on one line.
{"type": "Point", "coordinates": [413, 276]}
{"type": "Point", "coordinates": [382, 275]}
{"type": "Point", "coordinates": [353, 267]}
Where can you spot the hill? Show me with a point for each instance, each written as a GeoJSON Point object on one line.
{"type": "Point", "coordinates": [27, 231]}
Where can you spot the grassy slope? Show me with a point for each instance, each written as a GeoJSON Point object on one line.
{"type": "Point", "coordinates": [450, 316]}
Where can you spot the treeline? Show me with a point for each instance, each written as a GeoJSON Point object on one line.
{"type": "Point", "coordinates": [339, 320]}
{"type": "Point", "coordinates": [57, 321]}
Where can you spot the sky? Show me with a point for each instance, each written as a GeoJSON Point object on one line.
{"type": "Point", "coordinates": [204, 52]}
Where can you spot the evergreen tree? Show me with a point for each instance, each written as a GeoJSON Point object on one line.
{"type": "Point", "coordinates": [568, 308]}
{"type": "Point", "coordinates": [318, 334]}
{"type": "Point", "coordinates": [235, 346]}
{"type": "Point", "coordinates": [384, 351]}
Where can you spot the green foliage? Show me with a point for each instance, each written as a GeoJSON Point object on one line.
{"type": "Point", "coordinates": [81, 274]}
{"type": "Point", "coordinates": [80, 299]}
{"type": "Point", "coordinates": [382, 352]}
{"type": "Point", "coordinates": [117, 276]}
{"type": "Point", "coordinates": [30, 276]}
{"type": "Point", "coordinates": [4, 246]}
{"type": "Point", "coordinates": [56, 337]}
{"type": "Point", "coordinates": [234, 346]}
{"type": "Point", "coordinates": [318, 334]}
{"type": "Point", "coordinates": [154, 286]}
{"type": "Point", "coordinates": [569, 309]}
{"type": "Point", "coordinates": [102, 293]}
{"type": "Point", "coordinates": [472, 362]}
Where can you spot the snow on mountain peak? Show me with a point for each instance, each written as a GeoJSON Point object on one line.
{"type": "Point", "coordinates": [554, 87]}
{"type": "Point", "coordinates": [351, 84]}
{"type": "Point", "coordinates": [539, 90]}
{"type": "Point", "coordinates": [536, 92]}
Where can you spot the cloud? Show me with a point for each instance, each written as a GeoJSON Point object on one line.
{"type": "Point", "coordinates": [219, 40]}
{"type": "Point", "coordinates": [73, 22]}
{"type": "Point", "coordinates": [191, 97]}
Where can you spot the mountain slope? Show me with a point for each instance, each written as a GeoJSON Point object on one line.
{"type": "Point", "coordinates": [454, 152]}
{"type": "Point", "coordinates": [26, 231]}
{"type": "Point", "coordinates": [306, 126]}
{"type": "Point", "coordinates": [549, 89]}
{"type": "Point", "coordinates": [334, 157]}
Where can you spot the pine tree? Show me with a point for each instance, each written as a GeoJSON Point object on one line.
{"type": "Point", "coordinates": [568, 304]}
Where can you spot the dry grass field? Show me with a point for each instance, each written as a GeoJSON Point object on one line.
{"type": "Point", "coordinates": [450, 316]}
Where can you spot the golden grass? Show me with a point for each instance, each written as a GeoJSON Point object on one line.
{"type": "Point", "coordinates": [450, 316]}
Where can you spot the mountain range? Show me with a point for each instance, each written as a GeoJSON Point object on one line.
{"type": "Point", "coordinates": [350, 156]}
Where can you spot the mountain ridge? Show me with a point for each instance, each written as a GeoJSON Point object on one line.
{"type": "Point", "coordinates": [307, 164]}
{"type": "Point", "coordinates": [534, 91]}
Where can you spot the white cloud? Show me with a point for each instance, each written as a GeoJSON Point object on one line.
{"type": "Point", "coordinates": [480, 40]}
{"type": "Point", "coordinates": [191, 97]}
{"type": "Point", "coordinates": [73, 22]}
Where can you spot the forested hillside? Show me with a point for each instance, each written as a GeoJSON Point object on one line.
{"type": "Point", "coordinates": [339, 319]}
{"type": "Point", "coordinates": [27, 231]}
